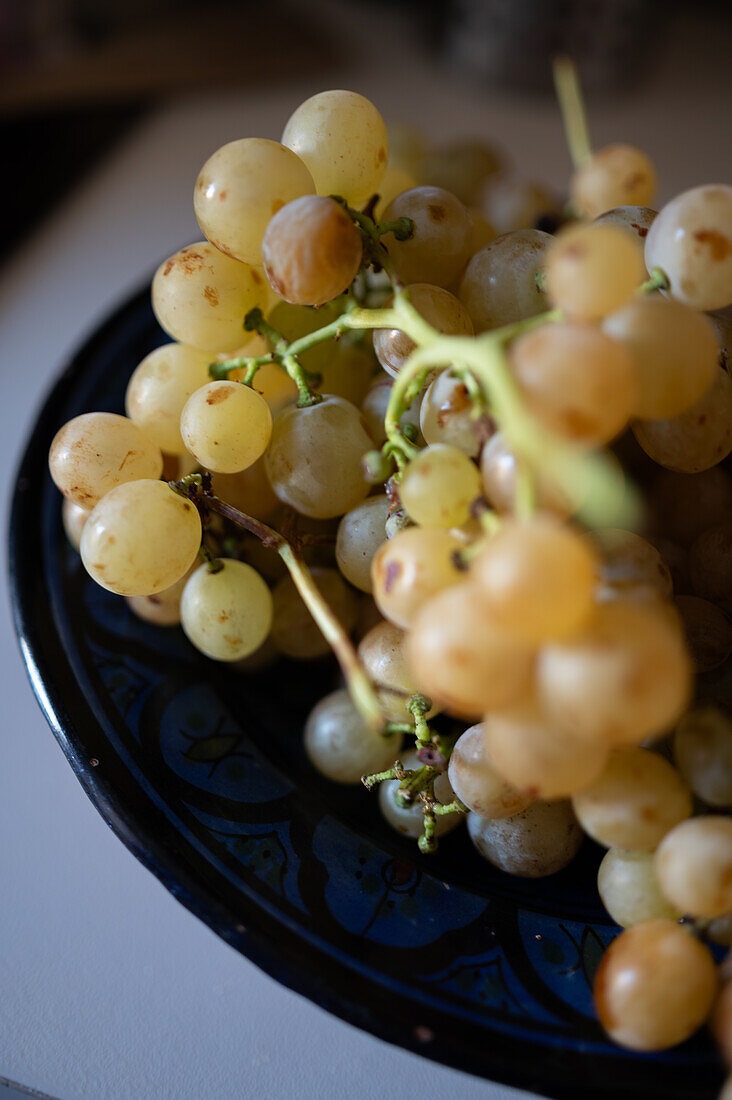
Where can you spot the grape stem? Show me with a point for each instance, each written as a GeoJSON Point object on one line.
{"type": "Point", "coordinates": [572, 107]}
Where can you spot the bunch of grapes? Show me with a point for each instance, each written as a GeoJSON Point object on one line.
{"type": "Point", "coordinates": [384, 419]}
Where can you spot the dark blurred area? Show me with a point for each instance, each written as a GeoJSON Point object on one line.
{"type": "Point", "coordinates": [75, 74]}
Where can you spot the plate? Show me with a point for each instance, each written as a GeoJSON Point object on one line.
{"type": "Point", "coordinates": [200, 771]}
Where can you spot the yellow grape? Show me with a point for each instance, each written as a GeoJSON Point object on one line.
{"type": "Point", "coordinates": [538, 841]}
{"type": "Point", "coordinates": [636, 219]}
{"type": "Point", "coordinates": [97, 451]}
{"type": "Point", "coordinates": [694, 866]}
{"type": "Point", "coordinates": [628, 887]}
{"type": "Point", "coordinates": [439, 248]}
{"type": "Point", "coordinates": [616, 175]}
{"type": "Point", "coordinates": [412, 567]}
{"type": "Point", "coordinates": [446, 415]}
{"type": "Point", "coordinates": [483, 231]}
{"type": "Point", "coordinates": [73, 517]}
{"type": "Point", "coordinates": [226, 614]}
{"type": "Point", "coordinates": [349, 372]}
{"type": "Point", "coordinates": [592, 270]}
{"type": "Point", "coordinates": [498, 472]}
{"type": "Point", "coordinates": [439, 485]}
{"type": "Point", "coordinates": [161, 608]}
{"type": "Point", "coordinates": [140, 538]}
{"type": "Point", "coordinates": [696, 439]}
{"type": "Point", "coordinates": [476, 781]}
{"type": "Point", "coordinates": [239, 189]}
{"type": "Point", "coordinates": [312, 251]}
{"type": "Point", "coordinates": [160, 387]}
{"type": "Point", "coordinates": [462, 167]}
{"type": "Point", "coordinates": [628, 563]}
{"type": "Point", "coordinates": [499, 285]}
{"type": "Point", "coordinates": [691, 241]}
{"type": "Point", "coordinates": [383, 655]}
{"type": "Point", "coordinates": [396, 180]}
{"type": "Point", "coordinates": [226, 425]}
{"type": "Point", "coordinates": [439, 307]}
{"type": "Point", "coordinates": [249, 491]}
{"type": "Point", "coordinates": [360, 534]}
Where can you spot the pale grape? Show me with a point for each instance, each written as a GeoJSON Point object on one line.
{"type": "Point", "coordinates": [576, 381]}
{"type": "Point", "coordinates": [226, 425]}
{"type": "Point", "coordinates": [293, 322]}
{"type": "Point", "coordinates": [696, 439]}
{"type": "Point", "coordinates": [615, 175]}
{"type": "Point", "coordinates": [498, 472]}
{"type": "Point", "coordinates": [161, 608]}
{"type": "Point", "coordinates": [627, 884]}
{"type": "Point", "coordinates": [708, 632]}
{"type": "Point", "coordinates": [410, 569]}
{"type": "Point", "coordinates": [201, 297]}
{"type": "Point", "coordinates": [483, 231]}
{"type": "Point", "coordinates": [439, 248]}
{"type": "Point", "coordinates": [227, 613]}
{"type": "Point", "coordinates": [439, 307]}
{"type": "Point", "coordinates": [239, 189]}
{"type": "Point", "coordinates": [396, 180]}
{"type": "Point", "coordinates": [539, 841]}
{"type": "Point", "coordinates": [703, 754]}
{"type": "Point", "coordinates": [140, 538]}
{"type": "Point", "coordinates": [349, 372]}
{"type": "Point", "coordinates": [439, 486]}
{"type": "Point", "coordinates": [536, 578]}
{"type": "Point", "coordinates": [340, 744]}
{"type": "Point", "coordinates": [628, 563]}
{"type": "Point", "coordinates": [462, 659]}
{"type": "Point", "coordinates": [160, 387]}
{"type": "Point", "coordinates": [592, 270]}
{"type": "Point", "coordinates": [685, 505]}
{"type": "Point", "coordinates": [462, 167]}
{"type": "Point", "coordinates": [477, 783]}
{"type": "Point", "coordinates": [383, 654]}
{"type": "Point", "coordinates": [674, 352]}
{"type": "Point", "coordinates": [694, 866]}
{"type": "Point", "coordinates": [636, 219]}
{"type": "Point", "coordinates": [635, 801]}
{"type": "Point", "coordinates": [249, 491]}
{"type": "Point", "coordinates": [511, 203]}
{"type": "Point", "coordinates": [374, 406]}
{"type": "Point", "coordinates": [96, 452]}
{"type": "Point", "coordinates": [294, 631]}
{"type": "Point", "coordinates": [446, 416]}
{"type": "Point", "coordinates": [360, 534]}
{"type": "Point", "coordinates": [710, 565]}
{"type": "Point", "coordinates": [499, 286]}
{"type": "Point", "coordinates": [655, 986]}
{"type": "Point", "coordinates": [342, 139]}
{"type": "Point", "coordinates": [314, 458]}
{"type": "Point", "coordinates": [623, 677]}
{"type": "Point", "coordinates": [409, 820]}
{"type": "Point", "coordinates": [311, 250]}
{"type": "Point", "coordinates": [691, 241]}
{"type": "Point", "coordinates": [73, 517]}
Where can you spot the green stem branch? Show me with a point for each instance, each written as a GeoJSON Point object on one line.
{"type": "Point", "coordinates": [571, 105]}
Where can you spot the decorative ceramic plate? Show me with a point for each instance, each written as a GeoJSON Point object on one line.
{"type": "Point", "coordinates": [200, 771]}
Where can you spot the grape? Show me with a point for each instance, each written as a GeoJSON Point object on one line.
{"type": "Point", "coordinates": [696, 439]}
{"type": "Point", "coordinates": [703, 754]}
{"type": "Point", "coordinates": [161, 608]}
{"type": "Point", "coordinates": [140, 538]}
{"type": "Point", "coordinates": [483, 232]}
{"type": "Point", "coordinates": [674, 352]}
{"type": "Point", "coordinates": [240, 187]}
{"type": "Point", "coordinates": [439, 248]}
{"type": "Point", "coordinates": [624, 677]}
{"type": "Point", "coordinates": [410, 569]}
{"type": "Point", "coordinates": [262, 558]}
{"type": "Point", "coordinates": [160, 387]}
{"type": "Point", "coordinates": [710, 564]}
{"type": "Point", "coordinates": [499, 284]}
{"type": "Point", "coordinates": [694, 866]}
{"type": "Point", "coordinates": [360, 534]}
{"type": "Point", "coordinates": [293, 322]}
{"type": "Point", "coordinates": [634, 802]}
{"type": "Point", "coordinates": [721, 1025]}
{"type": "Point", "coordinates": [97, 451]}
{"type": "Point", "coordinates": [312, 251]}
{"type": "Point", "coordinates": [382, 654]}
{"type": "Point", "coordinates": [249, 491]}
{"type": "Point", "coordinates": [685, 505]}
{"type": "Point", "coordinates": [637, 219]}
{"type": "Point", "coordinates": [177, 466]}
{"type": "Point", "coordinates": [257, 662]}
{"type": "Point", "coordinates": [536, 578]}
{"type": "Point", "coordinates": [446, 415]}
{"type": "Point", "coordinates": [409, 820]}
{"type": "Point", "coordinates": [655, 986]}
{"type": "Point", "coordinates": [461, 167]}
{"type": "Point", "coordinates": [369, 616]}
{"type": "Point", "coordinates": [675, 558]}
{"type": "Point", "coordinates": [615, 175]}
{"type": "Point", "coordinates": [575, 380]}
{"type": "Point", "coordinates": [226, 614]}
{"type": "Point", "coordinates": [201, 297]}
{"type": "Point", "coordinates": [272, 382]}
{"type": "Point", "coordinates": [439, 307]}
{"type": "Point", "coordinates": [592, 270]}
{"type": "Point", "coordinates": [464, 661]}
{"type": "Point", "coordinates": [294, 631]}
{"type": "Point", "coordinates": [691, 241]}
{"type": "Point", "coordinates": [374, 407]}
{"type": "Point", "coordinates": [629, 563]}
{"type": "Point", "coordinates": [226, 425]}
{"type": "Point", "coordinates": [538, 841]}
{"type": "Point", "coordinates": [396, 180]}
{"type": "Point", "coordinates": [511, 203]}
{"type": "Point", "coordinates": [74, 517]}
{"type": "Point", "coordinates": [349, 372]}
{"type": "Point", "coordinates": [629, 889]}
{"type": "Point", "coordinates": [719, 930]}
{"type": "Point", "coordinates": [537, 757]}
{"type": "Point", "coordinates": [341, 746]}
{"type": "Point", "coordinates": [708, 632]}
{"type": "Point", "coordinates": [476, 782]}
{"type": "Point", "coordinates": [439, 485]}
{"type": "Point", "coordinates": [314, 458]}
{"type": "Point", "coordinates": [342, 139]}
{"type": "Point", "coordinates": [498, 471]}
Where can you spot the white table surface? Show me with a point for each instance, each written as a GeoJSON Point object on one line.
{"type": "Point", "coordinates": [109, 989]}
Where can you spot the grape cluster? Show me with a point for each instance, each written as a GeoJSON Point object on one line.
{"type": "Point", "coordinates": [400, 408]}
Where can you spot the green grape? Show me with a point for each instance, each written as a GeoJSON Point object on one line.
{"type": "Point", "coordinates": [477, 783]}
{"type": "Point", "coordinates": [691, 242]}
{"type": "Point", "coordinates": [160, 387]}
{"type": "Point", "coordinates": [439, 248]}
{"type": "Point", "coordinates": [201, 297]}
{"type": "Point", "coordinates": [592, 270]}
{"type": "Point", "coordinates": [409, 820]}
{"type": "Point", "coordinates": [226, 425]}
{"type": "Point", "coordinates": [694, 866]}
{"type": "Point", "coordinates": [439, 307]}
{"type": "Point", "coordinates": [240, 187]}
{"type": "Point", "coordinates": [140, 538]}
{"type": "Point", "coordinates": [312, 251]}
{"type": "Point", "coordinates": [73, 517]}
{"type": "Point", "coordinates": [314, 458]}
{"type": "Point", "coordinates": [382, 653]}
{"type": "Point", "coordinates": [294, 631]}
{"type": "Point", "coordinates": [446, 415]}
{"type": "Point", "coordinates": [97, 451]}
{"type": "Point", "coordinates": [342, 139]}
{"type": "Point", "coordinates": [538, 841]}
{"type": "Point", "coordinates": [360, 534]}
{"type": "Point", "coordinates": [412, 567]}
{"type": "Point", "coordinates": [697, 439]}
{"type": "Point", "coordinates": [439, 486]}
{"type": "Point", "coordinates": [226, 614]}
{"type": "Point", "coordinates": [341, 746]}
{"type": "Point", "coordinates": [499, 285]}
{"type": "Point", "coordinates": [615, 175]}
{"type": "Point", "coordinates": [628, 887]}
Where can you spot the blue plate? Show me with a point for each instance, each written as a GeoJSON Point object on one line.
{"type": "Point", "coordinates": [201, 773]}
